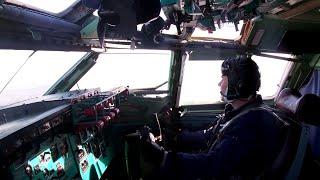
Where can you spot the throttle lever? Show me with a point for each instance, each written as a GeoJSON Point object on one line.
{"type": "Point", "coordinates": [160, 131]}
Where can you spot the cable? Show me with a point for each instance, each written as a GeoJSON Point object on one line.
{"type": "Point", "coordinates": [17, 71]}
{"type": "Point", "coordinates": [158, 122]}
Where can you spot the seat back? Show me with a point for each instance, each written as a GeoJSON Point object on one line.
{"type": "Point", "coordinates": [313, 87]}
{"type": "Point", "coordinates": [308, 112]}
{"type": "Point", "coordinates": [304, 108]}
{"type": "Point", "coordinates": [303, 111]}
{"type": "Point", "coordinates": [285, 108]}
{"type": "Point", "coordinates": [287, 101]}
{"type": "Point", "coordinates": [308, 109]}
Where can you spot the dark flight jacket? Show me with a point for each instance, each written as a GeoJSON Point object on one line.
{"type": "Point", "coordinates": [245, 142]}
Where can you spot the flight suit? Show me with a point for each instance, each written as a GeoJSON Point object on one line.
{"type": "Point", "coordinates": [241, 145]}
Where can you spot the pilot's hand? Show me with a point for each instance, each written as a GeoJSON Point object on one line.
{"type": "Point", "coordinates": [169, 116]}
{"type": "Point", "coordinates": [151, 151]}
{"type": "Point", "coordinates": [166, 116]}
{"type": "Point", "coordinates": [152, 155]}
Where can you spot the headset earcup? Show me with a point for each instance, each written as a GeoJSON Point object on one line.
{"type": "Point", "coordinates": [239, 88]}
{"type": "Point", "coordinates": [243, 89]}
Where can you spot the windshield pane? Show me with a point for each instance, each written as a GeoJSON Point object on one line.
{"type": "Point", "coordinates": [227, 31]}
{"type": "Point", "coordinates": [53, 6]}
{"type": "Point", "coordinates": [271, 71]}
{"type": "Point", "coordinates": [133, 68]}
{"type": "Point", "coordinates": [34, 76]}
{"type": "Point", "coordinates": [201, 78]}
{"type": "Point", "coordinates": [200, 82]}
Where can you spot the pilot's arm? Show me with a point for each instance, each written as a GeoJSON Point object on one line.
{"type": "Point", "coordinates": [239, 149]}
{"type": "Point", "coordinates": [214, 163]}
{"type": "Point", "coordinates": [194, 140]}
{"type": "Point", "coordinates": [245, 147]}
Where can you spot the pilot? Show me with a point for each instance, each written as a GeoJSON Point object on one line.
{"type": "Point", "coordinates": [243, 143]}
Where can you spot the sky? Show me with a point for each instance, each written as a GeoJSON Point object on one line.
{"type": "Point", "coordinates": [36, 74]}
{"type": "Point", "coordinates": [54, 6]}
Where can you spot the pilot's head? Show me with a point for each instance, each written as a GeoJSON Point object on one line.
{"type": "Point", "coordinates": [240, 79]}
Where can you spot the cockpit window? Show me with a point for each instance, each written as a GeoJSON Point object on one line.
{"type": "Point", "coordinates": [134, 68]}
{"type": "Point", "coordinates": [52, 6]}
{"type": "Point", "coordinates": [24, 75]}
{"type": "Point", "coordinates": [226, 31]}
{"type": "Point", "coordinates": [201, 78]}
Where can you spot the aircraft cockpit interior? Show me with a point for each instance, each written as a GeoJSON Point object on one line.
{"type": "Point", "coordinates": [83, 83]}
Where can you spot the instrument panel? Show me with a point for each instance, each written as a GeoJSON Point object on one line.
{"type": "Point", "coordinates": [52, 161]}
{"type": "Point", "coordinates": [62, 138]}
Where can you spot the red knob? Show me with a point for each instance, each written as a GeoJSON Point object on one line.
{"type": "Point", "coordinates": [112, 115]}
{"type": "Point", "coordinates": [106, 119]}
{"type": "Point", "coordinates": [100, 124]}
{"type": "Point", "coordinates": [116, 111]}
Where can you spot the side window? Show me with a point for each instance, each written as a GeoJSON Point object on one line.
{"type": "Point", "coordinates": [134, 68]}
{"type": "Point", "coordinates": [201, 78]}
{"type": "Point", "coordinates": [271, 71]}
{"type": "Point", "coordinates": [25, 75]}
{"type": "Point", "coordinates": [313, 86]}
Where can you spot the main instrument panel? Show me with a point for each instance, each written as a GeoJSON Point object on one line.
{"type": "Point", "coordinates": [61, 136]}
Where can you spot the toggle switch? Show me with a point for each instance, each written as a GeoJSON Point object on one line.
{"type": "Point", "coordinates": [28, 170]}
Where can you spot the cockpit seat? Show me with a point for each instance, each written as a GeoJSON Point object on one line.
{"type": "Point", "coordinates": [305, 109]}
{"type": "Point", "coordinates": [301, 111]}
{"type": "Point", "coordinates": [309, 111]}
{"type": "Point", "coordinates": [287, 101]}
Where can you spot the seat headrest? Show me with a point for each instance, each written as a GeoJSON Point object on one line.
{"type": "Point", "coordinates": [287, 100]}
{"type": "Point", "coordinates": [308, 109]}
{"type": "Point", "coordinates": [305, 109]}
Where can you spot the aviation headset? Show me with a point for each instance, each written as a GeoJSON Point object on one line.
{"type": "Point", "coordinates": [243, 77]}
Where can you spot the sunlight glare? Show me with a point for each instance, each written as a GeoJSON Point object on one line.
{"type": "Point", "coordinates": [55, 6]}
